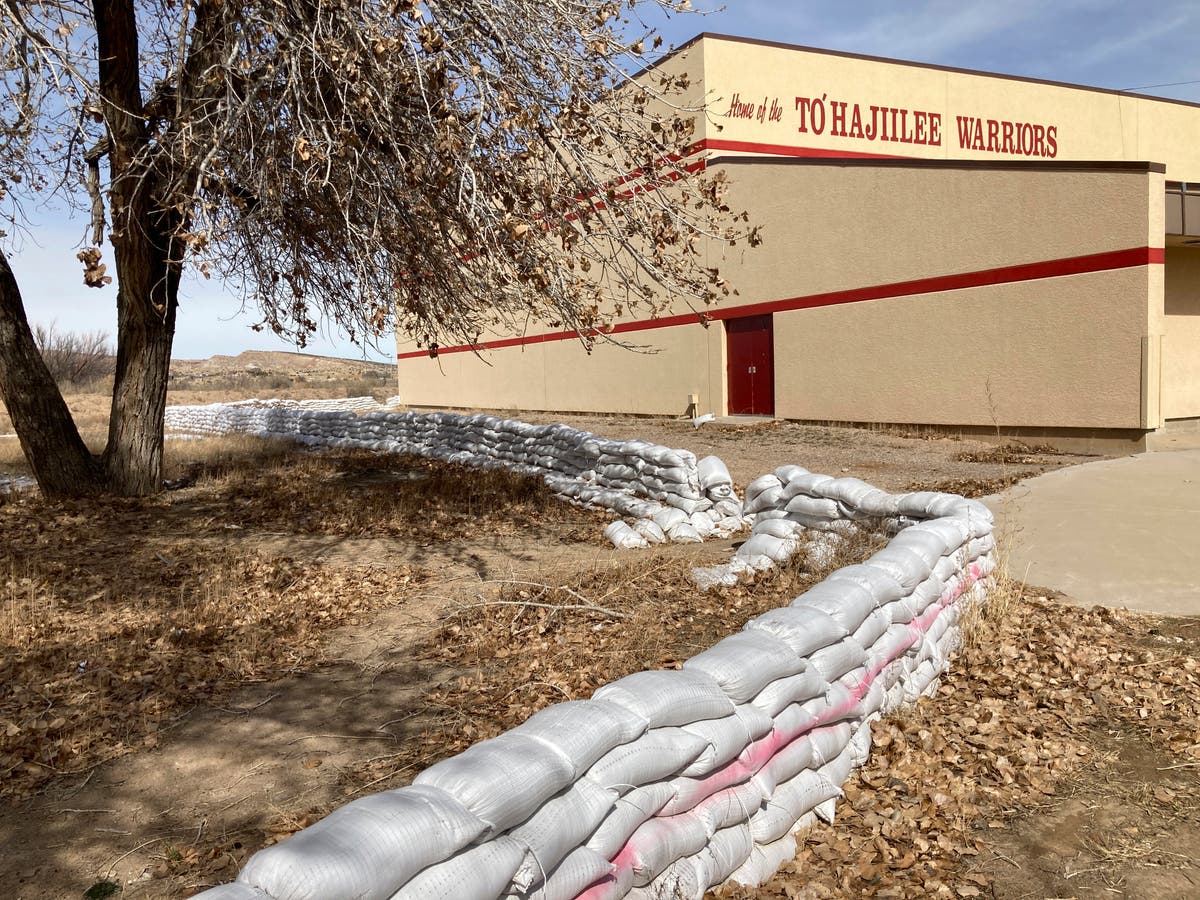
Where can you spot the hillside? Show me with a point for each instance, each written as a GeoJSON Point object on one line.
{"type": "Point", "coordinates": [254, 364]}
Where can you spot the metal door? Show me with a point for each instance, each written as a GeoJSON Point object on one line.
{"type": "Point", "coordinates": [750, 368]}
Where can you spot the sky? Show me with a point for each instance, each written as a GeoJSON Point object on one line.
{"type": "Point", "coordinates": [1104, 43]}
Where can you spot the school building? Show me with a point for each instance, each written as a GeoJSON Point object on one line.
{"type": "Point", "coordinates": [940, 247]}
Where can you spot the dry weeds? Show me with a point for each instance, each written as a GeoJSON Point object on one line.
{"type": "Point", "coordinates": [1031, 703]}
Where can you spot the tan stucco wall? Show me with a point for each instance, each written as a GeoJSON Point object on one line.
{"type": "Point", "coordinates": [1056, 353]}
{"type": "Point", "coordinates": [1181, 334]}
{"type": "Point", "coordinates": [1063, 352]}
{"type": "Point", "coordinates": [1088, 124]}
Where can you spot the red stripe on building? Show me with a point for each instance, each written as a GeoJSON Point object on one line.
{"type": "Point", "coordinates": [1053, 268]}
{"type": "Point", "coordinates": [788, 150]}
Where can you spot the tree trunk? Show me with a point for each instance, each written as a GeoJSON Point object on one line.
{"type": "Point", "coordinates": [146, 302]}
{"type": "Point", "coordinates": [60, 460]}
{"type": "Point", "coordinates": [148, 262]}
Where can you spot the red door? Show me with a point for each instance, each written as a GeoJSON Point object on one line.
{"type": "Point", "coordinates": [751, 370]}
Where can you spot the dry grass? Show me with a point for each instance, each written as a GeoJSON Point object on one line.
{"type": "Point", "coordinates": [117, 616]}
{"type": "Point", "coordinates": [359, 493]}
{"type": "Point", "coordinates": [1010, 453]}
{"type": "Point", "coordinates": [525, 646]}
{"type": "Point", "coordinates": [96, 666]}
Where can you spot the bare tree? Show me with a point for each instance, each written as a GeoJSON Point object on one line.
{"type": "Point", "coordinates": [75, 357]}
{"type": "Point", "coordinates": [446, 166]}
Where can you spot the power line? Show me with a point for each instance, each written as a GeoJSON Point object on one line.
{"type": "Point", "coordinates": [1146, 87]}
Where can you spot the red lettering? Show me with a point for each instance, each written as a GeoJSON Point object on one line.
{"type": "Point", "coordinates": [919, 125]}
{"type": "Point", "coordinates": [964, 131]}
{"type": "Point", "coordinates": [1006, 137]}
{"type": "Point", "coordinates": [856, 128]}
{"type": "Point", "coordinates": [1039, 140]}
{"type": "Point", "coordinates": [993, 141]}
{"type": "Point", "coordinates": [935, 129]}
{"type": "Point", "coordinates": [1052, 141]}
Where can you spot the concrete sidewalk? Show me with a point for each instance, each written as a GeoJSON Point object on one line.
{"type": "Point", "coordinates": [1120, 532]}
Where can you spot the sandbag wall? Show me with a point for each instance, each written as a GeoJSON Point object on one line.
{"type": "Point", "coordinates": [666, 783]}
{"type": "Point", "coordinates": [637, 479]}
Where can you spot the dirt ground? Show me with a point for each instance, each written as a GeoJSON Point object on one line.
{"type": "Point", "coordinates": [362, 617]}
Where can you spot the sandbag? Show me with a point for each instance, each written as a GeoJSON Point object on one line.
{"type": "Point", "coordinates": [790, 689]}
{"type": "Point", "coordinates": [367, 849]}
{"type": "Point", "coordinates": [726, 738]}
{"type": "Point", "coordinates": [684, 533]}
{"type": "Point", "coordinates": [579, 869]}
{"type": "Point", "coordinates": [791, 800]}
{"type": "Point", "coordinates": [655, 756]}
{"type": "Point", "coordinates": [668, 697]}
{"type": "Point", "coordinates": [480, 873]}
{"type": "Point", "coordinates": [503, 780]}
{"type": "Point", "coordinates": [584, 730]}
{"type": "Point", "coordinates": [627, 814]}
{"type": "Point", "coordinates": [746, 662]}
{"type": "Point", "coordinates": [712, 473]}
{"type": "Point", "coordinates": [778, 550]}
{"type": "Point", "coordinates": [764, 861]}
{"type": "Point", "coordinates": [661, 841]}
{"type": "Point", "coordinates": [561, 825]}
{"type": "Point", "coordinates": [803, 628]}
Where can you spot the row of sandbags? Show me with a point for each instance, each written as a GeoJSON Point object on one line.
{"type": "Point", "coordinates": [637, 479]}
{"type": "Point", "coordinates": [664, 783]}
{"type": "Point", "coordinates": [789, 504]}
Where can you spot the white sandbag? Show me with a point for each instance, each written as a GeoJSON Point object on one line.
{"type": "Point", "coordinates": [655, 756]}
{"type": "Point", "coordinates": [778, 550]}
{"type": "Point", "coordinates": [873, 627]}
{"type": "Point", "coordinates": [684, 533]}
{"type": "Point", "coordinates": [746, 662]}
{"type": "Point", "coordinates": [726, 738]}
{"type": "Point", "coordinates": [702, 523]}
{"type": "Point", "coordinates": [838, 769]}
{"type": "Point", "coordinates": [682, 880]}
{"type": "Point", "coordinates": [813, 506]}
{"type": "Point", "coordinates": [584, 730]}
{"type": "Point", "coordinates": [233, 891]}
{"type": "Point", "coordinates": [845, 601]}
{"type": "Point", "coordinates": [650, 531]}
{"type": "Point", "coordinates": [789, 761]}
{"type": "Point", "coordinates": [580, 868]}
{"type": "Point", "coordinates": [835, 661]}
{"type": "Point", "coordinates": [760, 485]}
{"type": "Point", "coordinates": [764, 861]}
{"type": "Point", "coordinates": [787, 473]}
{"type": "Point", "coordinates": [803, 628]}
{"type": "Point", "coordinates": [503, 780]}
{"type": "Point", "coordinates": [827, 811]}
{"type": "Point", "coordinates": [712, 473]}
{"type": "Point", "coordinates": [783, 692]}
{"type": "Point", "coordinates": [691, 791]}
{"type": "Point", "coordinates": [623, 537]}
{"type": "Point", "coordinates": [768, 499]}
{"type": "Point", "coordinates": [779, 528]}
{"type": "Point", "coordinates": [725, 853]}
{"type": "Point", "coordinates": [661, 841]}
{"type": "Point", "coordinates": [860, 742]}
{"type": "Point", "coordinates": [791, 800]}
{"type": "Point", "coordinates": [908, 568]}
{"type": "Point", "coordinates": [627, 814]}
{"type": "Point", "coordinates": [731, 806]}
{"type": "Point", "coordinates": [480, 873]}
{"type": "Point", "coordinates": [669, 516]}
{"type": "Point", "coordinates": [668, 697]}
{"type": "Point", "coordinates": [728, 508]}
{"type": "Point", "coordinates": [367, 849]}
{"type": "Point", "coordinates": [561, 825]}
